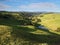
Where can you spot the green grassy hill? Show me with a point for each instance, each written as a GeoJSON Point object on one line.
{"type": "Point", "coordinates": [13, 33]}
{"type": "Point", "coordinates": [51, 21]}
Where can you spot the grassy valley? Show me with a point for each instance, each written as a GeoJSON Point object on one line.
{"type": "Point", "coordinates": [21, 28]}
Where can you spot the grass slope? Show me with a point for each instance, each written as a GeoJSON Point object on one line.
{"type": "Point", "coordinates": [12, 33]}
{"type": "Point", "coordinates": [52, 21]}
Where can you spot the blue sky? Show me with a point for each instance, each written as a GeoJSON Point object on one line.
{"type": "Point", "coordinates": [30, 5]}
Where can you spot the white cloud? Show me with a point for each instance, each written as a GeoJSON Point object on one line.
{"type": "Point", "coordinates": [39, 6]}
{"type": "Point", "coordinates": [4, 7]}
{"type": "Point", "coordinates": [31, 7]}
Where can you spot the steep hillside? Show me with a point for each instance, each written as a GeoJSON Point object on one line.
{"type": "Point", "coordinates": [51, 21]}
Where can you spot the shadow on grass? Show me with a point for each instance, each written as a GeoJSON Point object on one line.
{"type": "Point", "coordinates": [48, 31]}
{"type": "Point", "coordinates": [24, 33]}
{"type": "Point", "coordinates": [19, 33]}
{"type": "Point", "coordinates": [9, 22]}
{"type": "Point", "coordinates": [35, 38]}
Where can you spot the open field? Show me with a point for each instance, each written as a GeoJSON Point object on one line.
{"type": "Point", "coordinates": [52, 21]}
{"type": "Point", "coordinates": [13, 33]}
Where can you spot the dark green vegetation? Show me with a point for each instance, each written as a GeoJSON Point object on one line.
{"type": "Point", "coordinates": [20, 29]}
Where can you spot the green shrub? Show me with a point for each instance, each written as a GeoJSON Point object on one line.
{"type": "Point", "coordinates": [41, 15]}
{"type": "Point", "coordinates": [58, 29]}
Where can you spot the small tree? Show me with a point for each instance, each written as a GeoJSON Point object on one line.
{"type": "Point", "coordinates": [58, 29]}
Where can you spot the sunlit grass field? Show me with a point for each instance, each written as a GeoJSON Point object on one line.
{"type": "Point", "coordinates": [52, 21]}
{"type": "Point", "coordinates": [12, 33]}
